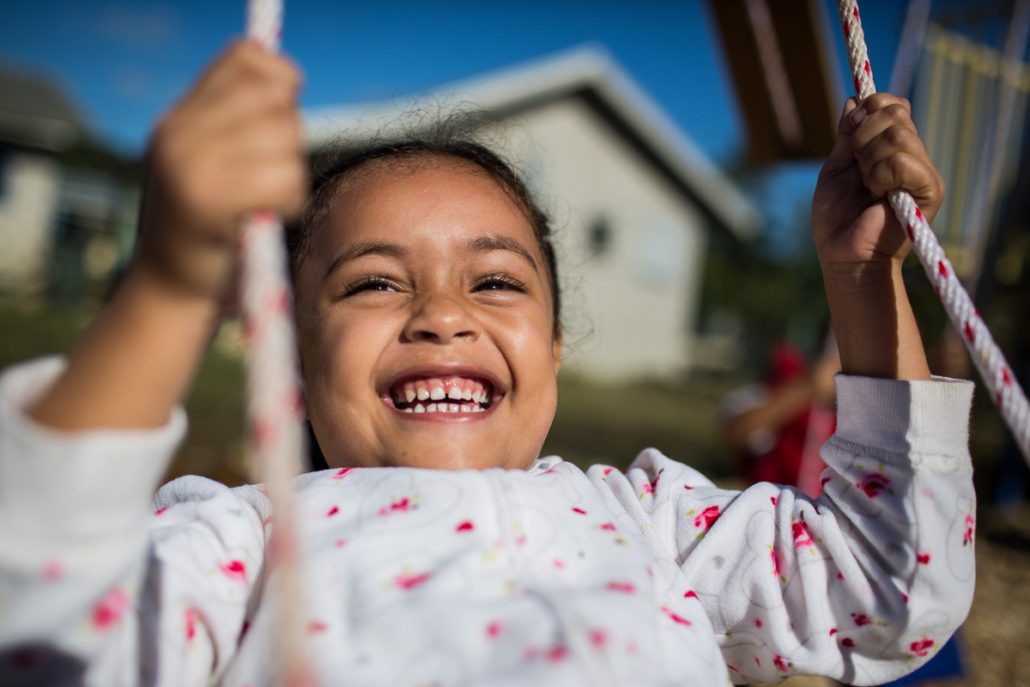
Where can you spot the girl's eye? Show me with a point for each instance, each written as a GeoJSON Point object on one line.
{"type": "Point", "coordinates": [370, 284]}
{"type": "Point", "coordinates": [499, 282]}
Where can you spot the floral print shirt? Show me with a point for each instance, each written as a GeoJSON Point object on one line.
{"type": "Point", "coordinates": [549, 576]}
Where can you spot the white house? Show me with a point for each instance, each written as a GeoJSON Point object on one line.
{"type": "Point", "coordinates": [632, 199]}
{"type": "Point", "coordinates": [36, 121]}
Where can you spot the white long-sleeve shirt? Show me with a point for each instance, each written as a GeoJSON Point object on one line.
{"type": "Point", "coordinates": [542, 577]}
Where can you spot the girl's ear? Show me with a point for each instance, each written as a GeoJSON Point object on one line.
{"type": "Point", "coordinates": [556, 350]}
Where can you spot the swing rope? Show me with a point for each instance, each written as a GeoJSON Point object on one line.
{"type": "Point", "coordinates": [994, 370]}
{"type": "Point", "coordinates": [274, 397]}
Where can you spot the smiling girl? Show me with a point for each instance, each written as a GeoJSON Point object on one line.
{"type": "Point", "coordinates": [439, 548]}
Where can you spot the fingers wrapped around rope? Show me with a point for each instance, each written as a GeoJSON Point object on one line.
{"type": "Point", "coordinates": [891, 155]}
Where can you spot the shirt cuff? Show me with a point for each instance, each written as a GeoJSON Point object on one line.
{"type": "Point", "coordinates": [915, 417]}
{"type": "Point", "coordinates": [81, 483]}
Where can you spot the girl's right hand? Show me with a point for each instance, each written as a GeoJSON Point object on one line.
{"type": "Point", "coordinates": [233, 145]}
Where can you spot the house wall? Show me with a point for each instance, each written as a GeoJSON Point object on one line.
{"type": "Point", "coordinates": [631, 302]}
{"type": "Point", "coordinates": [29, 187]}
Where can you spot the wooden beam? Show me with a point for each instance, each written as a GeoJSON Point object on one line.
{"type": "Point", "coordinates": [786, 81]}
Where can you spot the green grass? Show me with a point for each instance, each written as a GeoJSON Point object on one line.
{"type": "Point", "coordinates": [593, 424]}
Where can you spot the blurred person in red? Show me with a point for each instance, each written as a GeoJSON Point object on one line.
{"type": "Point", "coordinates": [776, 427]}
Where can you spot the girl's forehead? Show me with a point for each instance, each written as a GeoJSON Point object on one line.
{"type": "Point", "coordinates": [433, 202]}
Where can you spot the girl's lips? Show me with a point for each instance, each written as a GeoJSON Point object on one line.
{"type": "Point", "coordinates": [443, 392]}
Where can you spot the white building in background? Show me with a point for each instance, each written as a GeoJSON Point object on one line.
{"type": "Point", "coordinates": [632, 199]}
{"type": "Point", "coordinates": [36, 121]}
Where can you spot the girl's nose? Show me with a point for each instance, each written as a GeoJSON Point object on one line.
{"type": "Point", "coordinates": [441, 320]}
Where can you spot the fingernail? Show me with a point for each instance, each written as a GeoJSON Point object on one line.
{"type": "Point", "coordinates": [857, 116]}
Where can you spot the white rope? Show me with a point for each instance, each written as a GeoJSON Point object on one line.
{"type": "Point", "coordinates": [274, 399]}
{"type": "Point", "coordinates": [989, 361]}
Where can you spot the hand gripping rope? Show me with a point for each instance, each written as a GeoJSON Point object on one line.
{"type": "Point", "coordinates": [986, 355]}
{"type": "Point", "coordinates": [274, 399]}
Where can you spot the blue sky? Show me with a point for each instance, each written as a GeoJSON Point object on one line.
{"type": "Point", "coordinates": [125, 62]}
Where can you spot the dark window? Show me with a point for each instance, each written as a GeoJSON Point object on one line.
{"type": "Point", "coordinates": [599, 237]}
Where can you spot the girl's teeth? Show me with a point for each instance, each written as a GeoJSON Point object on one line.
{"type": "Point", "coordinates": [454, 393]}
{"type": "Point", "coordinates": [410, 395]}
{"type": "Point", "coordinates": [437, 393]}
{"type": "Point", "coordinates": [453, 408]}
{"type": "Point", "coordinates": [422, 394]}
{"type": "Point", "coordinates": [477, 409]}
{"type": "Point", "coordinates": [431, 408]}
{"type": "Point", "coordinates": [467, 395]}
{"type": "Point", "coordinates": [466, 408]}
{"type": "Point", "coordinates": [410, 410]}
{"type": "Point", "coordinates": [420, 408]}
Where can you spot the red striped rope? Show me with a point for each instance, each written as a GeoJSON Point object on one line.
{"type": "Point", "coordinates": [987, 357]}
{"type": "Point", "coordinates": [274, 401]}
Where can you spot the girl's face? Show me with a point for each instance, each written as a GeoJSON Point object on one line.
{"type": "Point", "coordinates": [425, 323]}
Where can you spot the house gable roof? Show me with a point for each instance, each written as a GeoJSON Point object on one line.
{"type": "Point", "coordinates": [586, 72]}
{"type": "Point", "coordinates": [35, 113]}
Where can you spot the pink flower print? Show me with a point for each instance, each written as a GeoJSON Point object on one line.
{"type": "Point", "coordinates": [904, 596]}
{"type": "Point", "coordinates": [607, 471]}
{"type": "Point", "coordinates": [840, 576]}
{"type": "Point", "coordinates": [341, 543]}
{"type": "Point", "coordinates": [781, 665]}
{"type": "Point", "coordinates": [861, 619]}
{"type": "Point", "coordinates": [801, 535]}
{"type": "Point", "coordinates": [647, 489]}
{"type": "Point", "coordinates": [316, 626]}
{"type": "Point", "coordinates": [402, 506]}
{"type": "Point", "coordinates": [824, 480]}
{"type": "Point", "coordinates": [191, 623]}
{"type": "Point", "coordinates": [341, 473]}
{"type": "Point", "coordinates": [558, 563]}
{"type": "Point", "coordinates": [757, 662]}
{"type": "Point", "coordinates": [758, 623]}
{"type": "Point", "coordinates": [874, 483]}
{"type": "Point", "coordinates": [530, 653]}
{"type": "Point", "coordinates": [332, 511]}
{"type": "Point", "coordinates": [411, 580]}
{"type": "Point", "coordinates": [848, 642]}
{"type": "Point", "coordinates": [598, 638]}
{"type": "Point", "coordinates": [580, 510]}
{"type": "Point", "coordinates": [624, 587]}
{"type": "Point", "coordinates": [234, 570]}
{"type": "Point", "coordinates": [690, 595]}
{"type": "Point", "coordinates": [776, 562]}
{"type": "Point", "coordinates": [675, 617]}
{"type": "Point", "coordinates": [110, 609]}
{"type": "Point", "coordinates": [607, 527]}
{"type": "Point", "coordinates": [52, 571]}
{"type": "Point", "coordinates": [494, 629]}
{"type": "Point", "coordinates": [833, 631]}
{"type": "Point", "coordinates": [159, 511]}
{"type": "Point", "coordinates": [556, 653]}
{"type": "Point", "coordinates": [707, 517]}
{"type": "Point", "coordinates": [466, 526]}
{"type": "Point", "coordinates": [773, 499]}
{"type": "Point", "coordinates": [923, 558]}
{"type": "Point", "coordinates": [687, 486]}
{"type": "Point", "coordinates": [921, 647]}
{"type": "Point", "coordinates": [970, 532]}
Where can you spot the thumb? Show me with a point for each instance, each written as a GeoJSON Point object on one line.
{"type": "Point", "coordinates": [842, 152]}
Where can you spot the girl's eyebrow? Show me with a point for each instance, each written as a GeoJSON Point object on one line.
{"type": "Point", "coordinates": [485, 244]}
{"type": "Point", "coordinates": [364, 248]}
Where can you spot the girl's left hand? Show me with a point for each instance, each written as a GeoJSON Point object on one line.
{"type": "Point", "coordinates": [878, 150]}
